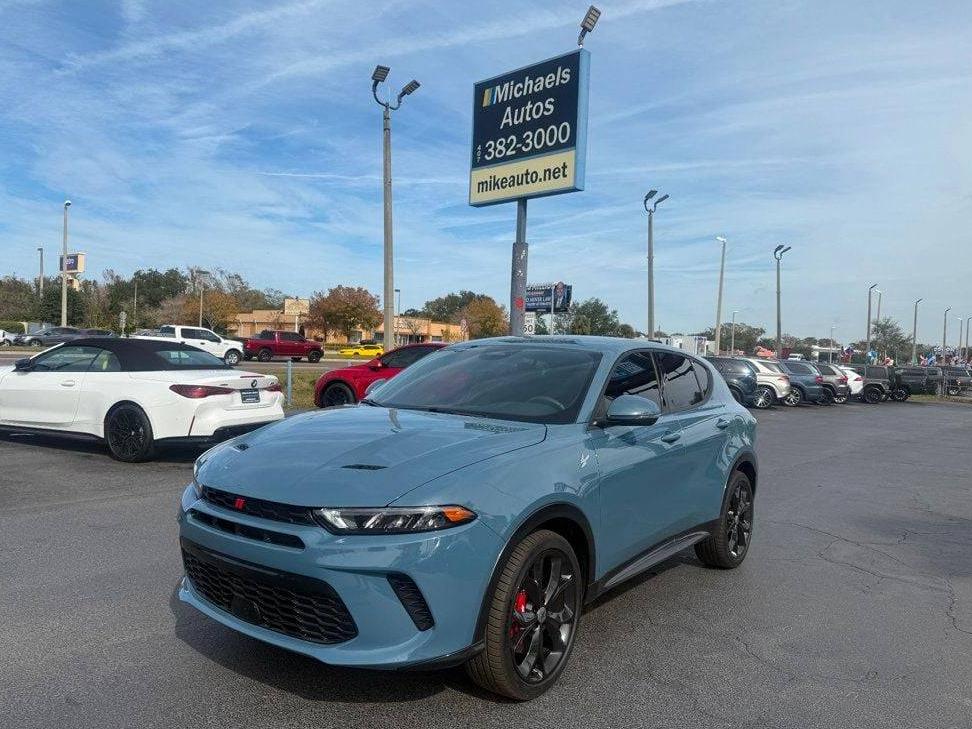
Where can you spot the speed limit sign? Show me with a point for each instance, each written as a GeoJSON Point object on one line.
{"type": "Point", "coordinates": [530, 323]}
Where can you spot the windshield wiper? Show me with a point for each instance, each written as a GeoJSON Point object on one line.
{"type": "Point", "coordinates": [368, 401]}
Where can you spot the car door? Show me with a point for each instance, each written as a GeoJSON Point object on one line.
{"type": "Point", "coordinates": [47, 394]}
{"type": "Point", "coordinates": [196, 338]}
{"type": "Point", "coordinates": [639, 466]}
{"type": "Point", "coordinates": [705, 421]}
{"type": "Point", "coordinates": [290, 344]}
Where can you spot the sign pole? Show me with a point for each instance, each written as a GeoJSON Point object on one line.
{"type": "Point", "coordinates": [518, 275]}
{"type": "Point", "coordinates": [553, 292]}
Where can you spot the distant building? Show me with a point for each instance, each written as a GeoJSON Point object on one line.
{"type": "Point", "coordinates": [293, 316]}
{"type": "Point", "coordinates": [696, 344]}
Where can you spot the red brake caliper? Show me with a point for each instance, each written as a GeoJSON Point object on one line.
{"type": "Point", "coordinates": [519, 606]}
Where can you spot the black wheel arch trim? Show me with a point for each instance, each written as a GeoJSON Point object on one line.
{"type": "Point", "coordinates": [549, 512]}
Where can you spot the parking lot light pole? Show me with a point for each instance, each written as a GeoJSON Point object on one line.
{"type": "Point", "coordinates": [200, 282]}
{"type": "Point", "coordinates": [867, 346]}
{"type": "Point", "coordinates": [40, 278]}
{"type": "Point", "coordinates": [650, 209]}
{"type": "Point", "coordinates": [722, 270]}
{"type": "Point", "coordinates": [778, 255]}
{"type": "Point", "coordinates": [914, 335]}
{"type": "Point", "coordinates": [945, 333]}
{"type": "Point", "coordinates": [67, 204]}
{"type": "Point", "coordinates": [880, 293]}
{"type": "Point", "coordinates": [965, 354]}
{"type": "Point", "coordinates": [732, 336]}
{"type": "Point", "coordinates": [958, 349]}
{"type": "Point", "coordinates": [831, 348]}
{"type": "Point", "coordinates": [378, 76]}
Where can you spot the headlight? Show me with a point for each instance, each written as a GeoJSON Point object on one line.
{"type": "Point", "coordinates": [392, 520]}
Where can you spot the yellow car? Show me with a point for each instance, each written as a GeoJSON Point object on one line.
{"type": "Point", "coordinates": [361, 350]}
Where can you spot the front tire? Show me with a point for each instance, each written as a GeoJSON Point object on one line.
{"type": "Point", "coordinates": [793, 398]}
{"type": "Point", "coordinates": [35, 343]}
{"type": "Point", "coordinates": [532, 619]}
{"type": "Point", "coordinates": [265, 355]}
{"type": "Point", "coordinates": [764, 398]}
{"type": "Point", "coordinates": [827, 398]}
{"type": "Point", "coordinates": [314, 357]}
{"type": "Point", "coordinates": [727, 547]}
{"type": "Point", "coordinates": [840, 399]}
{"type": "Point", "coordinates": [128, 433]}
{"type": "Point", "coordinates": [872, 395]}
{"type": "Point", "coordinates": [900, 394]}
{"type": "Point", "coordinates": [337, 394]}
{"type": "Point", "coordinates": [232, 358]}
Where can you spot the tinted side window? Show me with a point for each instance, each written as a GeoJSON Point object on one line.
{"type": "Point", "coordinates": [634, 375]}
{"type": "Point", "coordinates": [106, 362]}
{"type": "Point", "coordinates": [405, 357]}
{"type": "Point", "coordinates": [681, 387]}
{"type": "Point", "coordinates": [66, 359]}
{"type": "Point", "coordinates": [188, 333]}
{"type": "Point", "coordinates": [826, 369]}
{"type": "Point", "coordinates": [705, 382]}
{"type": "Point", "coordinates": [291, 337]}
{"type": "Point", "coordinates": [798, 368]}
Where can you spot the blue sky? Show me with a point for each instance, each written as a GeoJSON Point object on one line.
{"type": "Point", "coordinates": [242, 135]}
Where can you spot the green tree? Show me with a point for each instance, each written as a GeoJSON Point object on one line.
{"type": "Point", "coordinates": [747, 336]}
{"type": "Point", "coordinates": [888, 339]}
{"type": "Point", "coordinates": [50, 308]}
{"type": "Point", "coordinates": [344, 308]}
{"type": "Point", "coordinates": [590, 317]}
{"type": "Point", "coordinates": [484, 317]}
{"type": "Point", "coordinates": [18, 299]}
{"type": "Point", "coordinates": [449, 308]}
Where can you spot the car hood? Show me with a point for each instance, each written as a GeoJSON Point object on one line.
{"type": "Point", "coordinates": [357, 456]}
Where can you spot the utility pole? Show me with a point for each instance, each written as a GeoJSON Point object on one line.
{"type": "Point", "coordinates": [732, 337]}
{"type": "Point", "coordinates": [40, 278]}
{"type": "Point", "coordinates": [518, 271]}
{"type": "Point", "coordinates": [945, 333]}
{"type": "Point", "coordinates": [67, 204]}
{"type": "Point", "coordinates": [135, 303]}
{"type": "Point", "coordinates": [831, 352]}
{"type": "Point", "coordinates": [650, 209]}
{"type": "Point", "coordinates": [722, 269]}
{"type": "Point", "coordinates": [914, 335]}
{"type": "Point", "coordinates": [201, 282]}
{"type": "Point", "coordinates": [378, 76]}
{"type": "Point", "coordinates": [778, 255]}
{"type": "Point", "coordinates": [965, 354]}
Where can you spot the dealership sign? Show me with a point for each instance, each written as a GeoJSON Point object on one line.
{"type": "Point", "coordinates": [75, 263]}
{"type": "Point", "coordinates": [530, 131]}
{"type": "Point", "coordinates": [538, 297]}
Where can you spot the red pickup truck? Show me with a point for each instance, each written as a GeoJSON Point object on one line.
{"type": "Point", "coordinates": [269, 344]}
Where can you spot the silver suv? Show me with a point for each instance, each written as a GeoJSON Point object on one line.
{"type": "Point", "coordinates": [772, 382]}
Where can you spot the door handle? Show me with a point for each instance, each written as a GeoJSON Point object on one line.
{"type": "Point", "coordinates": [68, 383]}
{"type": "Point", "coordinates": [670, 437]}
{"type": "Point", "coordinates": [722, 423]}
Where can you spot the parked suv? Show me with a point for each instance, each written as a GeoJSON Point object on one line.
{"type": "Point", "coordinates": [772, 382]}
{"type": "Point", "coordinates": [957, 380]}
{"type": "Point", "coordinates": [835, 382]}
{"type": "Point", "coordinates": [806, 383]}
{"type": "Point", "coordinates": [269, 344]}
{"type": "Point", "coordinates": [740, 375]}
{"type": "Point", "coordinates": [877, 382]}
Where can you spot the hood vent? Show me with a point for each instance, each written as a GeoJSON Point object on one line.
{"type": "Point", "coordinates": [364, 467]}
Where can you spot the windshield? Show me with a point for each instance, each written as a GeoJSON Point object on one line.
{"type": "Point", "coordinates": [536, 384]}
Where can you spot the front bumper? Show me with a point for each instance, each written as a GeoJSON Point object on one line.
{"type": "Point", "coordinates": [451, 569]}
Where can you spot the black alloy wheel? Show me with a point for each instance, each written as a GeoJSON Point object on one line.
{"type": "Point", "coordinates": [129, 434]}
{"type": "Point", "coordinates": [727, 546]}
{"type": "Point", "coordinates": [533, 618]}
{"type": "Point", "coordinates": [827, 398]}
{"type": "Point", "coordinates": [872, 395]}
{"type": "Point", "coordinates": [314, 356]}
{"type": "Point", "coordinates": [900, 394]}
{"type": "Point", "coordinates": [337, 394]}
{"type": "Point", "coordinates": [764, 398]}
{"type": "Point", "coordinates": [265, 355]}
{"type": "Point", "coordinates": [35, 343]}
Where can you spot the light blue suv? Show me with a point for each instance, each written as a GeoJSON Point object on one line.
{"type": "Point", "coordinates": [466, 510]}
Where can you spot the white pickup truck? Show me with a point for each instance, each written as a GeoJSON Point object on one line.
{"type": "Point", "coordinates": [228, 350]}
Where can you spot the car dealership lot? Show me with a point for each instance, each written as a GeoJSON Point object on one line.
{"type": "Point", "coordinates": [853, 609]}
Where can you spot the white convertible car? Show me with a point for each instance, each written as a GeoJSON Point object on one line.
{"type": "Point", "coordinates": [135, 394]}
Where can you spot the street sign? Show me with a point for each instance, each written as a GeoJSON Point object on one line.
{"type": "Point", "coordinates": [538, 297]}
{"type": "Point", "coordinates": [530, 323]}
{"type": "Point", "coordinates": [530, 131]}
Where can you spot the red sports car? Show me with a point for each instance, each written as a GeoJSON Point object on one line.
{"type": "Point", "coordinates": [347, 385]}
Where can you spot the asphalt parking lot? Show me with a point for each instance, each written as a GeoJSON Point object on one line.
{"type": "Point", "coordinates": [853, 608]}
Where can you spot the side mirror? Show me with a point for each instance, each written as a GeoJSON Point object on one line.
{"type": "Point", "coordinates": [632, 410]}
{"type": "Point", "coordinates": [375, 364]}
{"type": "Point", "coordinates": [24, 365]}
{"type": "Point", "coordinates": [374, 386]}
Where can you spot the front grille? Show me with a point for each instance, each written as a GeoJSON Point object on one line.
{"type": "Point", "coordinates": [259, 507]}
{"type": "Point", "coordinates": [247, 531]}
{"type": "Point", "coordinates": [294, 605]}
{"type": "Point", "coordinates": [412, 600]}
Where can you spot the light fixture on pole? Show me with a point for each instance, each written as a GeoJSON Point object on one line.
{"type": "Point", "coordinates": [200, 282]}
{"type": "Point", "coordinates": [914, 335]}
{"type": "Point", "coordinates": [378, 76]}
{"type": "Point", "coordinates": [588, 23]}
{"type": "Point", "coordinates": [40, 278]}
{"type": "Point", "coordinates": [778, 255]}
{"type": "Point", "coordinates": [867, 338]}
{"type": "Point", "coordinates": [650, 209]}
{"type": "Point", "coordinates": [722, 269]}
{"type": "Point", "coordinates": [732, 336]}
{"type": "Point", "coordinates": [64, 263]}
